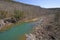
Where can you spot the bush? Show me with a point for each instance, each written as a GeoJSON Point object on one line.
{"type": "Point", "coordinates": [3, 14]}
{"type": "Point", "coordinates": [18, 14]}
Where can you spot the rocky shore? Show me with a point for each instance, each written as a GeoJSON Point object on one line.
{"type": "Point", "coordinates": [47, 29]}
{"type": "Point", "coordinates": [5, 22]}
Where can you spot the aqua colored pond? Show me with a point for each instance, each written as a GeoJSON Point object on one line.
{"type": "Point", "coordinates": [15, 32]}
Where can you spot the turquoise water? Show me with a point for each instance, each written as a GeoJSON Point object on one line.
{"type": "Point", "coordinates": [15, 32]}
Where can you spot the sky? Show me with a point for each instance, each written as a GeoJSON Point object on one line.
{"type": "Point", "coordinates": [42, 3]}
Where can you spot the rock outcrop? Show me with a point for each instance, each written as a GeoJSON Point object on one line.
{"type": "Point", "coordinates": [2, 23]}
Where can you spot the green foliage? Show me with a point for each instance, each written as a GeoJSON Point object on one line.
{"type": "Point", "coordinates": [3, 14]}
{"type": "Point", "coordinates": [18, 14]}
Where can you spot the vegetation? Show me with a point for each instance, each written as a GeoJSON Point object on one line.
{"type": "Point", "coordinates": [3, 14]}
{"type": "Point", "coordinates": [18, 14]}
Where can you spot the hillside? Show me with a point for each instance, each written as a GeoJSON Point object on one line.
{"type": "Point", "coordinates": [29, 10]}
{"type": "Point", "coordinates": [46, 26]}
{"type": "Point", "coordinates": [14, 11]}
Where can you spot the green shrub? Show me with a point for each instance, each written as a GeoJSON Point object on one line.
{"type": "Point", "coordinates": [18, 14]}
{"type": "Point", "coordinates": [3, 14]}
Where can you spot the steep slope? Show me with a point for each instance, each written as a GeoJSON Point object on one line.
{"type": "Point", "coordinates": [29, 10]}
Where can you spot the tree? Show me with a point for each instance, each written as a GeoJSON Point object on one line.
{"type": "Point", "coordinates": [3, 14]}
{"type": "Point", "coordinates": [18, 14]}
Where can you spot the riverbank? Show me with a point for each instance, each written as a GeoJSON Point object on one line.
{"type": "Point", "coordinates": [9, 26]}
{"type": "Point", "coordinates": [16, 32]}
{"type": "Point", "coordinates": [45, 29]}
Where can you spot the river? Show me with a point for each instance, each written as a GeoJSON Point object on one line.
{"type": "Point", "coordinates": [16, 31]}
